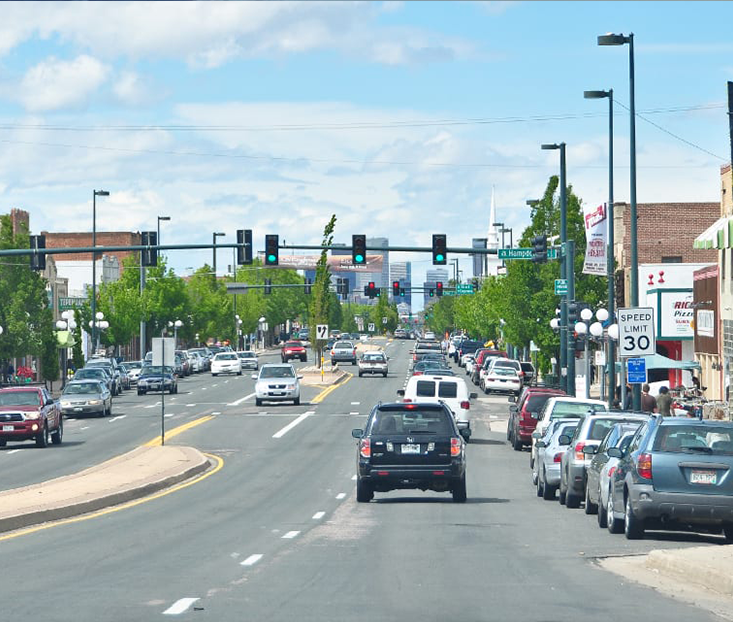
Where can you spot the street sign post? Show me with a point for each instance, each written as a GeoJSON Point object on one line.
{"type": "Point", "coordinates": [384, 320]}
{"type": "Point", "coordinates": [322, 331]}
{"type": "Point", "coordinates": [523, 253]}
{"type": "Point", "coordinates": [561, 287]}
{"type": "Point", "coordinates": [636, 372]}
{"type": "Point", "coordinates": [371, 327]}
{"type": "Point", "coordinates": [636, 332]}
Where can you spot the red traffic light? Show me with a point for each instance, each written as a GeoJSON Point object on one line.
{"type": "Point", "coordinates": [395, 288]}
{"type": "Point", "coordinates": [439, 288]}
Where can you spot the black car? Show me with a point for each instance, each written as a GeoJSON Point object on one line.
{"type": "Point", "coordinates": [467, 347]}
{"type": "Point", "coordinates": [155, 378]}
{"type": "Point", "coordinates": [410, 445]}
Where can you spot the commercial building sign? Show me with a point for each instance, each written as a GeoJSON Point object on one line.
{"type": "Point", "coordinates": [596, 226]}
{"type": "Point", "coordinates": [675, 314]}
{"type": "Point", "coordinates": [336, 263]}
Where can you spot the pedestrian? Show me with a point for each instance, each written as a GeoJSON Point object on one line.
{"type": "Point", "coordinates": [664, 402]}
{"type": "Point", "coordinates": [648, 402]}
{"type": "Point", "coordinates": [10, 372]}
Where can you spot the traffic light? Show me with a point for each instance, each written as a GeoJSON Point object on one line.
{"type": "Point", "coordinates": [268, 286]}
{"type": "Point", "coordinates": [395, 288]}
{"type": "Point", "coordinates": [474, 284]}
{"type": "Point", "coordinates": [539, 254]}
{"type": "Point", "coordinates": [308, 284]}
{"type": "Point", "coordinates": [439, 249]}
{"type": "Point", "coordinates": [345, 286]}
{"type": "Point", "coordinates": [370, 290]}
{"type": "Point", "coordinates": [149, 257]}
{"type": "Point", "coordinates": [439, 288]}
{"type": "Point", "coordinates": [573, 313]}
{"type": "Point", "coordinates": [244, 246]}
{"type": "Point", "coordinates": [272, 250]}
{"type": "Point", "coordinates": [38, 261]}
{"type": "Point", "coordinates": [358, 250]}
{"type": "Point", "coordinates": [402, 291]}
{"type": "Point", "coordinates": [431, 292]}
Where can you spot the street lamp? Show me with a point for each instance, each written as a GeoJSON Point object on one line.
{"type": "Point", "coordinates": [216, 235]}
{"type": "Point", "coordinates": [97, 324]}
{"type": "Point", "coordinates": [95, 194]}
{"type": "Point", "coordinates": [614, 39]}
{"type": "Point", "coordinates": [567, 359]}
{"type": "Point", "coordinates": [595, 329]}
{"type": "Point", "coordinates": [175, 326]}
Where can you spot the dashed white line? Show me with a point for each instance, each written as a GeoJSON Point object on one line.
{"type": "Point", "coordinates": [190, 405]}
{"type": "Point", "coordinates": [318, 515]}
{"type": "Point", "coordinates": [118, 417]}
{"type": "Point", "coordinates": [290, 535]}
{"type": "Point", "coordinates": [292, 424]}
{"type": "Point", "coordinates": [354, 412]}
{"type": "Point", "coordinates": [86, 427]}
{"type": "Point", "coordinates": [170, 415]}
{"type": "Point", "coordinates": [12, 451]}
{"type": "Point", "coordinates": [241, 399]}
{"type": "Point", "coordinates": [153, 405]}
{"type": "Point", "coordinates": [216, 412]}
{"type": "Point", "coordinates": [341, 495]}
{"type": "Point", "coordinates": [251, 560]}
{"type": "Point", "coordinates": [355, 403]}
{"type": "Point", "coordinates": [179, 606]}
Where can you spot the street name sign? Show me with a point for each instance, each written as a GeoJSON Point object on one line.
{"type": "Point", "coordinates": [636, 371]}
{"type": "Point", "coordinates": [636, 332]}
{"type": "Point", "coordinates": [523, 253]}
{"type": "Point", "coordinates": [561, 287]}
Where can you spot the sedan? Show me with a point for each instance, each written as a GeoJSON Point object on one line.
{"type": "Point", "coordinates": [156, 378]}
{"type": "Point", "coordinates": [86, 397]}
{"type": "Point", "coordinates": [373, 363]}
{"type": "Point", "coordinates": [293, 350]}
{"type": "Point", "coordinates": [95, 373]}
{"type": "Point", "coordinates": [546, 469]}
{"type": "Point", "coordinates": [133, 371]}
{"type": "Point", "coordinates": [502, 380]}
{"type": "Point", "coordinates": [226, 363]}
{"type": "Point", "coordinates": [248, 360]}
{"type": "Point", "coordinates": [277, 383]}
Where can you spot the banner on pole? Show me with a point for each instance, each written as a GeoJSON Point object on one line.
{"type": "Point", "coordinates": [596, 227]}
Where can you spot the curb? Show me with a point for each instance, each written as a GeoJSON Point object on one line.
{"type": "Point", "coordinates": [19, 521]}
{"type": "Point", "coordinates": [706, 567]}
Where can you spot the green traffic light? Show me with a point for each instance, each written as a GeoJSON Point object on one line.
{"type": "Point", "coordinates": [359, 258]}
{"type": "Point", "coordinates": [271, 258]}
{"type": "Point", "coordinates": [439, 257]}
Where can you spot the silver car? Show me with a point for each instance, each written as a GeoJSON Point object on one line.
{"type": "Point", "coordinates": [546, 470]}
{"type": "Point", "coordinates": [248, 359]}
{"type": "Point", "coordinates": [86, 397]}
{"type": "Point", "coordinates": [373, 363]}
{"type": "Point", "coordinates": [277, 383]}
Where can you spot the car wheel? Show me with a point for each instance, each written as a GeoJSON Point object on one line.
{"type": "Point", "coordinates": [139, 392]}
{"type": "Point", "coordinates": [385, 374]}
{"type": "Point", "coordinates": [42, 437]}
{"type": "Point", "coordinates": [548, 492]}
{"type": "Point", "coordinates": [360, 374]}
{"type": "Point", "coordinates": [303, 359]}
{"type": "Point", "coordinates": [562, 495]}
{"type": "Point", "coordinates": [633, 526]}
{"type": "Point", "coordinates": [239, 373]}
{"type": "Point", "coordinates": [531, 458]}
{"type": "Point", "coordinates": [296, 401]}
{"type": "Point", "coordinates": [538, 483]}
{"type": "Point", "coordinates": [3, 442]}
{"type": "Point", "coordinates": [364, 492]}
{"type": "Point", "coordinates": [258, 401]}
{"type": "Point", "coordinates": [213, 374]}
{"type": "Point", "coordinates": [572, 501]}
{"type": "Point", "coordinates": [602, 516]}
{"type": "Point", "coordinates": [459, 490]}
{"type": "Point", "coordinates": [590, 508]}
{"type": "Point", "coordinates": [516, 443]}
{"type": "Point", "coordinates": [58, 434]}
{"type": "Point", "coordinates": [614, 525]}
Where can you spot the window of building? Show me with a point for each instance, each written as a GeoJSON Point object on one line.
{"type": "Point", "coordinates": [672, 259]}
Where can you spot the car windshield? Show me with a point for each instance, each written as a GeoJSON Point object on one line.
{"type": "Point", "coordinates": [20, 398]}
{"type": "Point", "coordinates": [277, 372]}
{"type": "Point", "coordinates": [82, 387]}
{"type": "Point", "coordinates": [411, 422]}
{"type": "Point", "coordinates": [91, 373]}
{"type": "Point", "coordinates": [574, 409]}
{"type": "Point", "coordinates": [151, 370]}
{"type": "Point", "coordinates": [694, 438]}
{"type": "Point", "coordinates": [226, 357]}
{"type": "Point", "coordinates": [246, 355]}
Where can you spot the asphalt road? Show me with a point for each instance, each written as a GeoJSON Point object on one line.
{"type": "Point", "coordinates": [276, 534]}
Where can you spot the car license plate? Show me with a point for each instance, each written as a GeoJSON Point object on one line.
{"type": "Point", "coordinates": [155, 386]}
{"type": "Point", "coordinates": [408, 448]}
{"type": "Point", "coordinates": [8, 428]}
{"type": "Point", "coordinates": [78, 409]}
{"type": "Point", "coordinates": [704, 477]}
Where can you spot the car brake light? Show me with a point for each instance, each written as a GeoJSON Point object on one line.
{"type": "Point", "coordinates": [466, 405]}
{"type": "Point", "coordinates": [417, 373]}
{"type": "Point", "coordinates": [644, 466]}
{"type": "Point", "coordinates": [410, 406]}
{"type": "Point", "coordinates": [455, 446]}
{"type": "Point", "coordinates": [558, 457]}
{"type": "Point", "coordinates": [611, 471]}
{"type": "Point", "coordinates": [365, 448]}
{"type": "Point", "coordinates": [579, 455]}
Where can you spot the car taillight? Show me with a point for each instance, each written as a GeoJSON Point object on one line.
{"type": "Point", "coordinates": [579, 455]}
{"type": "Point", "coordinates": [558, 457]}
{"type": "Point", "coordinates": [611, 471]}
{"type": "Point", "coordinates": [455, 446]}
{"type": "Point", "coordinates": [466, 405]}
{"type": "Point", "coordinates": [414, 357]}
{"type": "Point", "coordinates": [417, 373]}
{"type": "Point", "coordinates": [365, 448]}
{"type": "Point", "coordinates": [333, 352]}
{"type": "Point", "coordinates": [644, 466]}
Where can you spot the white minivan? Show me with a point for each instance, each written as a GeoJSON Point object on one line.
{"type": "Point", "coordinates": [449, 389]}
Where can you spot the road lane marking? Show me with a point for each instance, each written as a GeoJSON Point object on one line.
{"type": "Point", "coordinates": [251, 560]}
{"type": "Point", "coordinates": [355, 403]}
{"type": "Point", "coordinates": [241, 399]}
{"type": "Point", "coordinates": [153, 405]}
{"type": "Point", "coordinates": [86, 427]}
{"type": "Point", "coordinates": [117, 417]}
{"type": "Point", "coordinates": [353, 412]}
{"type": "Point", "coordinates": [180, 606]}
{"type": "Point", "coordinates": [323, 394]}
{"type": "Point", "coordinates": [341, 495]}
{"type": "Point", "coordinates": [176, 431]}
{"type": "Point", "coordinates": [118, 508]}
{"type": "Point", "coordinates": [353, 477]}
{"type": "Point", "coordinates": [190, 405]}
{"type": "Point", "coordinates": [290, 535]}
{"type": "Point", "coordinates": [12, 451]}
{"type": "Point", "coordinates": [170, 415]}
{"type": "Point", "coordinates": [318, 515]}
{"type": "Point", "coordinates": [216, 412]}
{"type": "Point", "coordinates": [282, 432]}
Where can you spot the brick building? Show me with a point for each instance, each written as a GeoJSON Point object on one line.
{"type": "Point", "coordinates": [104, 238]}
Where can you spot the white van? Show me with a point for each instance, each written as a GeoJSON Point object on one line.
{"type": "Point", "coordinates": [449, 389]}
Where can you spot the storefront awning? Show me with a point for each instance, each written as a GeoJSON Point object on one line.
{"type": "Point", "coordinates": [717, 235]}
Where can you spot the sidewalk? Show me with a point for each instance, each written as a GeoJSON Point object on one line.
{"type": "Point", "coordinates": [706, 566]}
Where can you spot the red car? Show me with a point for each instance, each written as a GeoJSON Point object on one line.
{"type": "Point", "coordinates": [293, 350]}
{"type": "Point", "coordinates": [30, 413]}
{"type": "Point", "coordinates": [521, 422]}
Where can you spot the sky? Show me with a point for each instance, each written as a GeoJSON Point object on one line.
{"type": "Point", "coordinates": [400, 118]}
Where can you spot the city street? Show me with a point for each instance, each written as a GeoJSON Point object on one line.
{"type": "Point", "coordinates": [276, 534]}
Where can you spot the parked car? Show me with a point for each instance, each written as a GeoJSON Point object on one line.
{"type": "Point", "coordinates": [157, 379]}
{"type": "Point", "coordinates": [675, 474]}
{"type": "Point", "coordinates": [277, 383]}
{"type": "Point", "coordinates": [110, 365]}
{"type": "Point", "coordinates": [493, 362]}
{"type": "Point", "coordinates": [292, 350]}
{"type": "Point", "coordinates": [546, 469]}
{"type": "Point", "coordinates": [500, 379]}
{"type": "Point", "coordinates": [450, 390]}
{"type": "Point", "coordinates": [591, 430]}
{"type": "Point", "coordinates": [467, 346]}
{"type": "Point", "coordinates": [373, 363]}
{"type": "Point", "coordinates": [133, 371]}
{"type": "Point", "coordinates": [96, 373]}
{"type": "Point", "coordinates": [248, 359]}
{"type": "Point", "coordinates": [205, 356]}
{"type": "Point", "coordinates": [483, 358]}
{"type": "Point", "coordinates": [86, 397]}
{"type": "Point", "coordinates": [226, 363]}
{"type": "Point", "coordinates": [124, 376]}
{"type": "Point", "coordinates": [602, 466]}
{"type": "Point", "coordinates": [343, 351]}
{"type": "Point", "coordinates": [530, 374]}
{"type": "Point", "coordinates": [30, 413]}
{"type": "Point", "coordinates": [185, 362]}
{"type": "Point", "coordinates": [410, 446]}
{"type": "Point", "coordinates": [523, 416]}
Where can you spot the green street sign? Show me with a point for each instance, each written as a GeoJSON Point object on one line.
{"type": "Point", "coordinates": [463, 289]}
{"type": "Point", "coordinates": [561, 287]}
{"type": "Point", "coordinates": [523, 253]}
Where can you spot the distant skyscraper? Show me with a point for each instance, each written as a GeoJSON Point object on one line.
{"type": "Point", "coordinates": [492, 262]}
{"type": "Point", "coordinates": [431, 278]}
{"type": "Point", "coordinates": [402, 272]}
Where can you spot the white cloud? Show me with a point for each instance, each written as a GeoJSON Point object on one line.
{"type": "Point", "coordinates": [130, 88]}
{"type": "Point", "coordinates": [54, 84]}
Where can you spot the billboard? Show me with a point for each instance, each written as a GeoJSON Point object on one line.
{"type": "Point", "coordinates": [336, 263]}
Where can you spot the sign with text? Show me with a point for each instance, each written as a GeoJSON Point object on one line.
{"type": "Point", "coordinates": [636, 332]}
{"type": "Point", "coordinates": [561, 287]}
{"type": "Point", "coordinates": [675, 314]}
{"type": "Point", "coordinates": [164, 351]}
{"type": "Point", "coordinates": [596, 226]}
{"type": "Point", "coordinates": [636, 371]}
{"type": "Point", "coordinates": [523, 253]}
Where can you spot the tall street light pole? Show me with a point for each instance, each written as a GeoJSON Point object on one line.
{"type": "Point", "coordinates": [610, 259]}
{"type": "Point", "coordinates": [564, 274]}
{"type": "Point", "coordinates": [214, 236]}
{"type": "Point", "coordinates": [95, 194]}
{"type": "Point", "coordinates": [613, 39]}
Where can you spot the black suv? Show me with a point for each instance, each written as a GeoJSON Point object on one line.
{"type": "Point", "coordinates": [410, 446]}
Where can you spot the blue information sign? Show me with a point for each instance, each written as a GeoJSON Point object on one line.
{"type": "Point", "coordinates": [636, 370]}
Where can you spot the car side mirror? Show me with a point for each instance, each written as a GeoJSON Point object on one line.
{"type": "Point", "coordinates": [254, 376]}
{"type": "Point", "coordinates": [357, 433]}
{"type": "Point", "coordinates": [536, 435]}
{"type": "Point", "coordinates": [564, 440]}
{"type": "Point", "coordinates": [465, 433]}
{"type": "Point", "coordinates": [615, 452]}
{"type": "Point", "coordinates": [589, 450]}
{"type": "Point", "coordinates": [473, 396]}
{"type": "Point", "coordinates": [513, 408]}
{"type": "Point", "coordinates": [401, 392]}
{"type": "Point", "coordinates": [534, 415]}
{"type": "Point", "coordinates": [540, 444]}
{"type": "Point", "coordinates": [512, 399]}
{"type": "Point", "coordinates": [299, 377]}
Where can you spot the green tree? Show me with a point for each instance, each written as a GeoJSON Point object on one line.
{"type": "Point", "coordinates": [322, 299]}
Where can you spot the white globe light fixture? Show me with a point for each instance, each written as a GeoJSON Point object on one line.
{"type": "Point", "coordinates": [99, 315]}
{"type": "Point", "coordinates": [554, 323]}
{"type": "Point", "coordinates": [581, 328]}
{"type": "Point", "coordinates": [596, 329]}
{"type": "Point", "coordinates": [586, 314]}
{"type": "Point", "coordinates": [602, 315]}
{"type": "Point", "coordinates": [613, 332]}
{"type": "Point", "coordinates": [104, 324]}
{"type": "Point", "coordinates": [61, 324]}
{"type": "Point", "coordinates": [178, 324]}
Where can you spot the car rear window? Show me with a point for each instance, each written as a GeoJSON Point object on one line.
{"type": "Point", "coordinates": [425, 388]}
{"type": "Point", "coordinates": [412, 422]}
{"type": "Point", "coordinates": [448, 390]}
{"type": "Point", "coordinates": [694, 438]}
{"type": "Point", "coordinates": [536, 402]}
{"type": "Point", "coordinates": [598, 429]}
{"type": "Point", "coordinates": [574, 409]}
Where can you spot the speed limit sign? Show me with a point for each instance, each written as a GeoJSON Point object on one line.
{"type": "Point", "coordinates": [636, 332]}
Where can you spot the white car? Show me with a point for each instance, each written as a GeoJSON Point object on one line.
{"type": "Point", "coordinates": [546, 469]}
{"type": "Point", "coordinates": [448, 389]}
{"type": "Point", "coordinates": [493, 362]}
{"type": "Point", "coordinates": [502, 380]}
{"type": "Point", "coordinates": [277, 382]}
{"type": "Point", "coordinates": [133, 370]}
{"type": "Point", "coordinates": [226, 363]}
{"type": "Point", "coordinates": [248, 359]}
{"type": "Point", "coordinates": [468, 362]}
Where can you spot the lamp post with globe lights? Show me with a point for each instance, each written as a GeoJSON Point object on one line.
{"type": "Point", "coordinates": [96, 325]}
{"type": "Point", "coordinates": [67, 323]}
{"type": "Point", "coordinates": [175, 326]}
